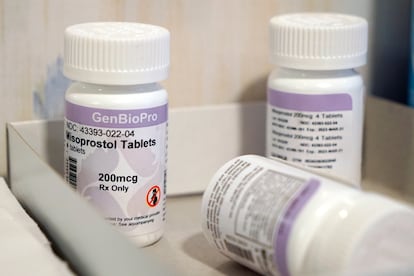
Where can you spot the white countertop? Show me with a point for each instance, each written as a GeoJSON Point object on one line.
{"type": "Point", "coordinates": [184, 247]}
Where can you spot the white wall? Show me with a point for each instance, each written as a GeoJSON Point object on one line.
{"type": "Point", "coordinates": [219, 48]}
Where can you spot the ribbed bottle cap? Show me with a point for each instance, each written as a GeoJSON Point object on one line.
{"type": "Point", "coordinates": [118, 53]}
{"type": "Point", "coordinates": [318, 41]}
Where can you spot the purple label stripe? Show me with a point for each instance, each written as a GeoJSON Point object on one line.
{"type": "Point", "coordinates": [306, 102]}
{"type": "Point", "coordinates": [116, 118]}
{"type": "Point", "coordinates": [283, 232]}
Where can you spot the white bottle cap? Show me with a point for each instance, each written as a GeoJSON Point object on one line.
{"type": "Point", "coordinates": [371, 234]}
{"type": "Point", "coordinates": [318, 41]}
{"type": "Point", "coordinates": [117, 53]}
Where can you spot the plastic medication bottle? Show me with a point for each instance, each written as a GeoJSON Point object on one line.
{"type": "Point", "coordinates": [315, 98]}
{"type": "Point", "coordinates": [280, 220]}
{"type": "Point", "coordinates": [116, 122]}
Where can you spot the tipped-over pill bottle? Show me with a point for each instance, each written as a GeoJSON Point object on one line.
{"type": "Point", "coordinates": [116, 122]}
{"type": "Point", "coordinates": [315, 97]}
{"type": "Point", "coordinates": [280, 220]}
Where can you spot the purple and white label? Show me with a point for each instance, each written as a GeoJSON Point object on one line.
{"type": "Point", "coordinates": [116, 159]}
{"type": "Point", "coordinates": [250, 210]}
{"type": "Point", "coordinates": [313, 130]}
{"type": "Point", "coordinates": [283, 231]}
{"type": "Point", "coordinates": [110, 118]}
{"type": "Point", "coordinates": [310, 103]}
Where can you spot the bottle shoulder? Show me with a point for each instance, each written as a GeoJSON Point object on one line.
{"type": "Point", "coordinates": [305, 81]}
{"type": "Point", "coordinates": [280, 72]}
{"type": "Point", "coordinates": [116, 97]}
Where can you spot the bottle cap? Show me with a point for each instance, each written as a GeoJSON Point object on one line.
{"type": "Point", "coordinates": [371, 234]}
{"type": "Point", "coordinates": [118, 53]}
{"type": "Point", "coordinates": [318, 41]}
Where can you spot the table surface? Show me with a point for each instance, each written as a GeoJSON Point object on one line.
{"type": "Point", "coordinates": [183, 246]}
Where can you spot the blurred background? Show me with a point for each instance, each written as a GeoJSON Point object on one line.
{"type": "Point", "coordinates": [219, 49]}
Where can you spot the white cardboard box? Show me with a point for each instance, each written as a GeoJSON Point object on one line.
{"type": "Point", "coordinates": [200, 141]}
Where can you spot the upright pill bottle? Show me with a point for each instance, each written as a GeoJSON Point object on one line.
{"type": "Point", "coordinates": [315, 97]}
{"type": "Point", "coordinates": [280, 220]}
{"type": "Point", "coordinates": [116, 122]}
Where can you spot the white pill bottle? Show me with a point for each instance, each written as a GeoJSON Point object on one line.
{"type": "Point", "coordinates": [116, 122]}
{"type": "Point", "coordinates": [315, 97]}
{"type": "Point", "coordinates": [280, 220]}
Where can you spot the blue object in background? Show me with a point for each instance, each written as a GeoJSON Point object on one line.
{"type": "Point", "coordinates": [390, 50]}
{"type": "Point", "coordinates": [48, 101]}
{"type": "Point", "coordinates": [411, 58]}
